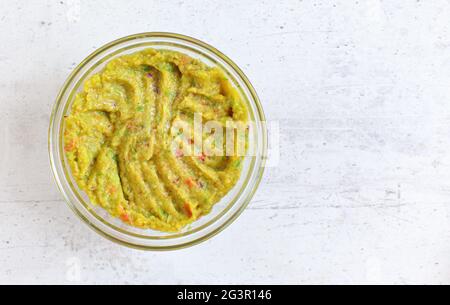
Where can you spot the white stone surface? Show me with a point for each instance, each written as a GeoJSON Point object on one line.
{"type": "Point", "coordinates": [362, 93]}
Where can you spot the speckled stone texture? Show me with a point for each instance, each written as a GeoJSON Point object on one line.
{"type": "Point", "coordinates": [362, 190]}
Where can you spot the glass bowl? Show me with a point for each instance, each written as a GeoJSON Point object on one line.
{"type": "Point", "coordinates": [224, 212]}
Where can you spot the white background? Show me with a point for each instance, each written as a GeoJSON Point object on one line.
{"type": "Point", "coordinates": [362, 93]}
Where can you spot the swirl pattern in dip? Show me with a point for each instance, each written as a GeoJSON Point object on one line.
{"type": "Point", "coordinates": [119, 139]}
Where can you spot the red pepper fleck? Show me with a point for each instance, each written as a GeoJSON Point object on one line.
{"type": "Point", "coordinates": [125, 217]}
{"type": "Point", "coordinates": [179, 153]}
{"type": "Point", "coordinates": [188, 210]}
{"type": "Point", "coordinates": [202, 157]}
{"type": "Point", "coordinates": [70, 146]}
{"type": "Point", "coordinates": [191, 141]}
{"type": "Point", "coordinates": [190, 183]}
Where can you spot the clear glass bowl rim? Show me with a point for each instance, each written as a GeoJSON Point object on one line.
{"type": "Point", "coordinates": [182, 38]}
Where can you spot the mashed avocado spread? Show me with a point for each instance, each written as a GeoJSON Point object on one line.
{"type": "Point", "coordinates": [118, 139]}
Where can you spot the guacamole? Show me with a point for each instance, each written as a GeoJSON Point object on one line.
{"type": "Point", "coordinates": [119, 139]}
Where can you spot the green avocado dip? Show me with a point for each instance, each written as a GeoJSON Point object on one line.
{"type": "Point", "coordinates": [118, 139]}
